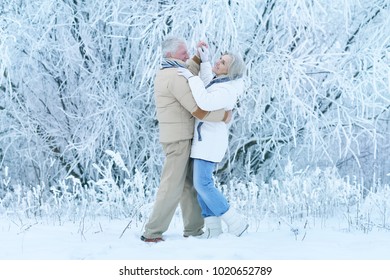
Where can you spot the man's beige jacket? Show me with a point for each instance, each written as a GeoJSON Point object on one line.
{"type": "Point", "coordinates": [176, 107]}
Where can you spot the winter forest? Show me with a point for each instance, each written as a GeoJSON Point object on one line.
{"type": "Point", "coordinates": [310, 135]}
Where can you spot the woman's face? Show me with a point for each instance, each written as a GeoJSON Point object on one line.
{"type": "Point", "coordinates": [221, 66]}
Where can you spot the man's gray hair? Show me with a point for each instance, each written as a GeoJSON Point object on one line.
{"type": "Point", "coordinates": [171, 44]}
{"type": "Point", "coordinates": [236, 67]}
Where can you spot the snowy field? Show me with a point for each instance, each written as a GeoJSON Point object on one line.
{"type": "Point", "coordinates": [102, 240]}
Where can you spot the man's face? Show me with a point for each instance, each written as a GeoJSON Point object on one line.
{"type": "Point", "coordinates": [181, 53]}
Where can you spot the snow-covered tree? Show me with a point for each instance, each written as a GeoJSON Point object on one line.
{"type": "Point", "coordinates": [76, 80]}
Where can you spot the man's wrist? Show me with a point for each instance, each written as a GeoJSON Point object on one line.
{"type": "Point", "coordinates": [196, 59]}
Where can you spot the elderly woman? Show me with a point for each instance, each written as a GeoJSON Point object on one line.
{"type": "Point", "coordinates": [211, 92]}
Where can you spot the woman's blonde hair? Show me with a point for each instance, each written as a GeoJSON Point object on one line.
{"type": "Point", "coordinates": [237, 66]}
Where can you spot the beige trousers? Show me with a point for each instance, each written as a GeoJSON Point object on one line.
{"type": "Point", "coordinates": [176, 187]}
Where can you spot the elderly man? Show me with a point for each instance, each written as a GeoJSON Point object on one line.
{"type": "Point", "coordinates": [176, 113]}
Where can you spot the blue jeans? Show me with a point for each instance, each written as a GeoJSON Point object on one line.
{"type": "Point", "coordinates": [211, 200]}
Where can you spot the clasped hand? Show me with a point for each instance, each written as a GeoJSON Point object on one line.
{"type": "Point", "coordinates": [203, 51]}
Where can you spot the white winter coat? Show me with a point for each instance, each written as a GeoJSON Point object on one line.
{"type": "Point", "coordinates": [214, 135]}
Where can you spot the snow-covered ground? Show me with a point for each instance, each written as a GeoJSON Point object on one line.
{"type": "Point", "coordinates": [101, 240]}
{"type": "Point", "coordinates": [23, 243]}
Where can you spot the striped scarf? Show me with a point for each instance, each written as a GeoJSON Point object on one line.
{"type": "Point", "coordinates": [217, 81]}
{"type": "Point", "coordinates": [170, 64]}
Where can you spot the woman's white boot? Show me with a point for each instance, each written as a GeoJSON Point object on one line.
{"type": "Point", "coordinates": [235, 222]}
{"type": "Point", "coordinates": [213, 227]}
